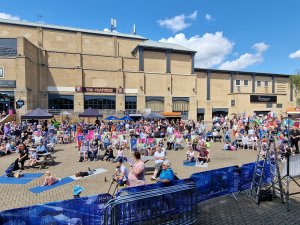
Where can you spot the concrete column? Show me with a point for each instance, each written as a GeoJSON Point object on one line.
{"type": "Point", "coordinates": [231, 83]}
{"type": "Point", "coordinates": [168, 62]}
{"type": "Point", "coordinates": [120, 103]}
{"type": "Point", "coordinates": [193, 108]}
{"type": "Point", "coordinates": [291, 91]}
{"type": "Point", "coordinates": [273, 84]}
{"type": "Point", "coordinates": [78, 102]}
{"type": "Point", "coordinates": [193, 64]}
{"type": "Point", "coordinates": [141, 102]}
{"type": "Point", "coordinates": [253, 82]}
{"type": "Point", "coordinates": [208, 85]}
{"type": "Point", "coordinates": [168, 104]}
{"type": "Point", "coordinates": [141, 59]}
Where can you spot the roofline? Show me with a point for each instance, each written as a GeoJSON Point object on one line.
{"type": "Point", "coordinates": [161, 49]}
{"type": "Point", "coordinates": [241, 72]}
{"type": "Point", "coordinates": [71, 29]}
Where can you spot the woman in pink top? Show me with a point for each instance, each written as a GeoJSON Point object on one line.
{"type": "Point", "coordinates": [136, 176]}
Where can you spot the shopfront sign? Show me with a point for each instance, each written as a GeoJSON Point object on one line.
{"type": "Point", "coordinates": [263, 99]}
{"type": "Point", "coordinates": [20, 104]}
{"type": "Point", "coordinates": [99, 90]}
{"type": "Point", "coordinates": [8, 83]}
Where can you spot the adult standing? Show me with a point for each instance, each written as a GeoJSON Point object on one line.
{"type": "Point", "coordinates": [136, 175]}
{"type": "Point", "coordinates": [294, 137]}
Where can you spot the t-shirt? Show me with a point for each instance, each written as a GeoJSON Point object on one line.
{"type": "Point", "coordinates": [124, 170]}
{"type": "Point", "coordinates": [167, 174]}
{"type": "Point", "coordinates": [295, 133]}
{"type": "Point", "coordinates": [159, 155]}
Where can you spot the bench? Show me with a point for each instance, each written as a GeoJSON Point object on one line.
{"type": "Point", "coordinates": [44, 160]}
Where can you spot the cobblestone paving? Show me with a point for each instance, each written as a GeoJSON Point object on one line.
{"type": "Point", "coordinates": [223, 210]}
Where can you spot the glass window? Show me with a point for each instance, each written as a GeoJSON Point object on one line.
{"type": "Point", "coordinates": [8, 47]}
{"type": "Point", "coordinates": [237, 82]}
{"type": "Point", "coordinates": [232, 103]}
{"type": "Point", "coordinates": [180, 104]}
{"type": "Point", "coordinates": [130, 102]}
{"type": "Point", "coordinates": [266, 83]}
{"type": "Point", "coordinates": [56, 101]}
{"type": "Point", "coordinates": [156, 104]}
{"type": "Point", "coordinates": [279, 106]}
{"type": "Point", "coordinates": [258, 83]}
{"type": "Point", "coordinates": [99, 102]}
{"type": "Point", "coordinates": [269, 105]}
{"type": "Point", "coordinates": [246, 82]}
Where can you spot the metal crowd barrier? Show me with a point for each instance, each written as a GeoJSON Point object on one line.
{"type": "Point", "coordinates": [168, 205]}
{"type": "Point", "coordinates": [294, 166]}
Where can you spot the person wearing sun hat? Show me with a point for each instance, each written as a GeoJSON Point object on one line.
{"type": "Point", "coordinates": [77, 191]}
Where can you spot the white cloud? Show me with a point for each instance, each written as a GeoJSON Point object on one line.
{"type": "Point", "coordinates": [179, 22]}
{"type": "Point", "coordinates": [194, 15]}
{"type": "Point", "coordinates": [211, 48]}
{"type": "Point", "coordinates": [8, 16]}
{"type": "Point", "coordinates": [260, 47]}
{"type": "Point", "coordinates": [208, 17]}
{"type": "Point", "coordinates": [295, 54]}
{"type": "Point", "coordinates": [247, 59]}
{"type": "Point", "coordinates": [106, 29]}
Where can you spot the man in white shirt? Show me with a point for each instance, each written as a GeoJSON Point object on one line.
{"type": "Point", "coordinates": [159, 156]}
{"type": "Point", "coordinates": [121, 174]}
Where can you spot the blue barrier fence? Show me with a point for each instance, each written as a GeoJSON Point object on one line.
{"type": "Point", "coordinates": [90, 210]}
{"type": "Point", "coordinates": [85, 210]}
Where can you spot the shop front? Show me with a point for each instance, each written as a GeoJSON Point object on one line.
{"type": "Point", "coordinates": [7, 101]}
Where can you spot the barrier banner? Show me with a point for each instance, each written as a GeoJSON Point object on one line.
{"type": "Point", "coordinates": [131, 190]}
{"type": "Point", "coordinates": [133, 144]}
{"type": "Point", "coordinates": [246, 176]}
{"type": "Point", "coordinates": [86, 210]}
{"type": "Point", "coordinates": [217, 182]}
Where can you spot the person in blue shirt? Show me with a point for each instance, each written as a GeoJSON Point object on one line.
{"type": "Point", "coordinates": [41, 149]}
{"type": "Point", "coordinates": [167, 174]}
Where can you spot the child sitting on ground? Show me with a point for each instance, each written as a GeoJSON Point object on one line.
{"type": "Point", "coordinates": [49, 179]}
{"type": "Point", "coordinates": [190, 155]}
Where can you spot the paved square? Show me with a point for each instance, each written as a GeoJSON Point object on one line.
{"type": "Point", "coordinates": [211, 212]}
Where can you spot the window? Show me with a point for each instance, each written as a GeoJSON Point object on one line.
{"type": "Point", "coordinates": [269, 105]}
{"type": "Point", "coordinates": [237, 82]}
{"type": "Point", "coordinates": [1, 72]}
{"type": "Point", "coordinates": [232, 103]}
{"type": "Point", "coordinates": [279, 106]}
{"type": "Point", "coordinates": [8, 47]}
{"type": "Point", "coordinates": [56, 101]}
{"type": "Point", "coordinates": [130, 102]}
{"type": "Point", "coordinates": [266, 83]}
{"type": "Point", "coordinates": [258, 83]}
{"type": "Point", "coordinates": [156, 104]}
{"type": "Point", "coordinates": [99, 102]}
{"type": "Point", "coordinates": [180, 104]}
{"type": "Point", "coordinates": [246, 82]}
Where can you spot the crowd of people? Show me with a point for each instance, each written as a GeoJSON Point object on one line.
{"type": "Point", "coordinates": [109, 141]}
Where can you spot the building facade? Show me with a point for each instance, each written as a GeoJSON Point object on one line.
{"type": "Point", "coordinates": [64, 68]}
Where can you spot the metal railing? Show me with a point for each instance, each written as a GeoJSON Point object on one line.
{"type": "Point", "coordinates": [168, 205]}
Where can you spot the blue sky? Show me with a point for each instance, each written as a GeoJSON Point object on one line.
{"type": "Point", "coordinates": [248, 35]}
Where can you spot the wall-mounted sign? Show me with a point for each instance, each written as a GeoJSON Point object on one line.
{"type": "Point", "coordinates": [8, 83]}
{"type": "Point", "coordinates": [99, 90]}
{"type": "Point", "coordinates": [1, 72]}
{"type": "Point", "coordinates": [263, 98]}
{"type": "Point", "coordinates": [19, 104]}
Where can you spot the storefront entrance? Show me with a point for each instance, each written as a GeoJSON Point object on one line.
{"type": "Point", "coordinates": [7, 100]}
